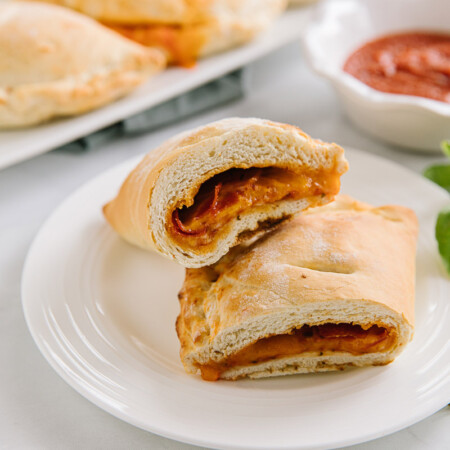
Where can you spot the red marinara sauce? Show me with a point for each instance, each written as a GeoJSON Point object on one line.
{"type": "Point", "coordinates": [407, 63]}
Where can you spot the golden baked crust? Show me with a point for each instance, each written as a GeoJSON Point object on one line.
{"type": "Point", "coordinates": [347, 262]}
{"type": "Point", "coordinates": [141, 11]}
{"type": "Point", "coordinates": [43, 74]}
{"type": "Point", "coordinates": [170, 177]}
{"type": "Point", "coordinates": [174, 12]}
{"type": "Point", "coordinates": [301, 2]}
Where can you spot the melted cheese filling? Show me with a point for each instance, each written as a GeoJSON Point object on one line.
{"type": "Point", "coordinates": [226, 195]}
{"type": "Point", "coordinates": [182, 44]}
{"type": "Point", "coordinates": [319, 339]}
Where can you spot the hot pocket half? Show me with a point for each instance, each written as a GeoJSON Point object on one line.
{"type": "Point", "coordinates": [209, 189]}
{"type": "Point", "coordinates": [330, 289]}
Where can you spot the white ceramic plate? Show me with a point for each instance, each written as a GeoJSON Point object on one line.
{"type": "Point", "coordinates": [102, 313]}
{"type": "Point", "coordinates": [18, 145]}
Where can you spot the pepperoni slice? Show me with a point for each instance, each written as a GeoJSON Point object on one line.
{"type": "Point", "coordinates": [182, 229]}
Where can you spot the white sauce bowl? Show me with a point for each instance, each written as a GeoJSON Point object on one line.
{"type": "Point", "coordinates": [339, 27]}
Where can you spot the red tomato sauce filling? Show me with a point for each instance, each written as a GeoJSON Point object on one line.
{"type": "Point", "coordinates": [320, 339]}
{"type": "Point", "coordinates": [182, 44]}
{"type": "Point", "coordinates": [226, 195]}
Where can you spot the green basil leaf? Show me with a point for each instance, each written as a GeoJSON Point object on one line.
{"type": "Point", "coordinates": [445, 147]}
{"type": "Point", "coordinates": [440, 174]}
{"type": "Point", "coordinates": [443, 236]}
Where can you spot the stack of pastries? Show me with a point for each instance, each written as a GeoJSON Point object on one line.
{"type": "Point", "coordinates": [184, 29]}
{"type": "Point", "coordinates": [73, 56]}
{"type": "Point", "coordinates": [55, 62]}
{"type": "Point", "coordinates": [283, 276]}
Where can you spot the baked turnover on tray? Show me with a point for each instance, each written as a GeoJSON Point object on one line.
{"type": "Point", "coordinates": [184, 29]}
{"type": "Point", "coordinates": [56, 62]}
{"type": "Point", "coordinates": [209, 189]}
{"type": "Point", "coordinates": [332, 288]}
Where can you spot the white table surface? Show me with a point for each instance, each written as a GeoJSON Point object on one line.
{"type": "Point", "coordinates": [38, 410]}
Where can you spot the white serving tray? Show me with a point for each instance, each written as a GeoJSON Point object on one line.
{"type": "Point", "coordinates": [22, 144]}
